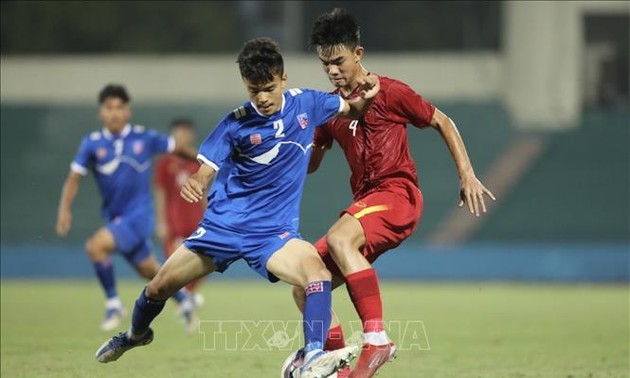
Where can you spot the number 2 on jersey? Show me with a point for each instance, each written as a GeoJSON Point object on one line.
{"type": "Point", "coordinates": [353, 126]}
{"type": "Point", "coordinates": [279, 127]}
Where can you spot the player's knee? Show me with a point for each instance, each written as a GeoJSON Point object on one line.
{"type": "Point", "coordinates": [159, 289]}
{"type": "Point", "coordinates": [337, 243]}
{"type": "Point", "coordinates": [93, 250]}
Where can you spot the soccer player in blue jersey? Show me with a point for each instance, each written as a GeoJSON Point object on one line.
{"type": "Point", "coordinates": [119, 155]}
{"type": "Point", "coordinates": [260, 153]}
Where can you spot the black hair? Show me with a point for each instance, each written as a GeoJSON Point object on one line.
{"type": "Point", "coordinates": [337, 27]}
{"type": "Point", "coordinates": [260, 60]}
{"type": "Point", "coordinates": [113, 90]}
{"type": "Point", "coordinates": [186, 123]}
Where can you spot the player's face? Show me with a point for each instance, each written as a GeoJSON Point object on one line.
{"type": "Point", "coordinates": [267, 97]}
{"type": "Point", "coordinates": [341, 64]}
{"type": "Point", "coordinates": [184, 135]}
{"type": "Point", "coordinates": [114, 114]}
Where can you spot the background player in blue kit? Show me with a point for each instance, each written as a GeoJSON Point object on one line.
{"type": "Point", "coordinates": [120, 156]}
{"type": "Point", "coordinates": [261, 150]}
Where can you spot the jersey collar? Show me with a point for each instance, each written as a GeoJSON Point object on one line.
{"type": "Point", "coordinates": [108, 135]}
{"type": "Point", "coordinates": [281, 107]}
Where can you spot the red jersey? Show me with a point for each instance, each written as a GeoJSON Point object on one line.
{"type": "Point", "coordinates": [376, 145]}
{"type": "Point", "coordinates": [171, 174]}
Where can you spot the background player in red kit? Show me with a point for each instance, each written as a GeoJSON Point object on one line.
{"type": "Point", "coordinates": [387, 201]}
{"type": "Point", "coordinates": [176, 218]}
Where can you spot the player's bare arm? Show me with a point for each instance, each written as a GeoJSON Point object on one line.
{"type": "Point", "coordinates": [356, 107]}
{"type": "Point", "coordinates": [161, 228]}
{"type": "Point", "coordinates": [197, 184]}
{"type": "Point", "coordinates": [471, 190]}
{"type": "Point", "coordinates": [317, 155]}
{"type": "Point", "coordinates": [68, 193]}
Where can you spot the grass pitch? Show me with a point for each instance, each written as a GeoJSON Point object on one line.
{"type": "Point", "coordinates": [50, 329]}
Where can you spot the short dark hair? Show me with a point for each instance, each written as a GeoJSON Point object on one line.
{"type": "Point", "coordinates": [260, 60]}
{"type": "Point", "coordinates": [113, 90]}
{"type": "Point", "coordinates": [334, 28]}
{"type": "Point", "coordinates": [186, 123]}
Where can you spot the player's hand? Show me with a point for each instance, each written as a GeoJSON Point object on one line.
{"type": "Point", "coordinates": [192, 190]}
{"type": "Point", "coordinates": [64, 220]}
{"type": "Point", "coordinates": [369, 86]}
{"type": "Point", "coordinates": [472, 193]}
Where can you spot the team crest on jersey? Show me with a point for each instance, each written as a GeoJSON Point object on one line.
{"type": "Point", "coordinates": [303, 120]}
{"type": "Point", "coordinates": [101, 152]}
{"type": "Point", "coordinates": [138, 147]}
{"type": "Point", "coordinates": [255, 139]}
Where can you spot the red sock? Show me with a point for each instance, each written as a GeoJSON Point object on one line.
{"type": "Point", "coordinates": [366, 297]}
{"type": "Point", "coordinates": [335, 340]}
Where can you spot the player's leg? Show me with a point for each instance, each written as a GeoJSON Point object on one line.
{"type": "Point", "coordinates": [147, 266]}
{"type": "Point", "coordinates": [386, 218]}
{"type": "Point", "coordinates": [345, 239]}
{"type": "Point", "coordinates": [99, 248]}
{"type": "Point", "coordinates": [335, 338]}
{"type": "Point", "coordinates": [170, 245]}
{"type": "Point", "coordinates": [173, 242]}
{"type": "Point", "coordinates": [298, 264]}
{"type": "Point", "coordinates": [183, 266]}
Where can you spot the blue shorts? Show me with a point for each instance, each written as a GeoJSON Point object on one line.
{"type": "Point", "coordinates": [225, 246]}
{"type": "Point", "coordinates": [132, 234]}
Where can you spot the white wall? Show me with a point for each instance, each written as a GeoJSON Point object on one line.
{"type": "Point", "coordinates": [181, 79]}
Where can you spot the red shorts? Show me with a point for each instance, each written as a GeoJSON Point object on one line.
{"type": "Point", "coordinates": [388, 216]}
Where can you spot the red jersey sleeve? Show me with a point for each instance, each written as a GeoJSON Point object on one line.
{"type": "Point", "coordinates": [161, 172]}
{"type": "Point", "coordinates": [323, 138]}
{"type": "Point", "coordinates": [409, 106]}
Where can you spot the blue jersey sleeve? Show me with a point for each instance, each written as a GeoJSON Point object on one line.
{"type": "Point", "coordinates": [84, 157]}
{"type": "Point", "coordinates": [217, 146]}
{"type": "Point", "coordinates": [326, 106]}
{"type": "Point", "coordinates": [159, 143]}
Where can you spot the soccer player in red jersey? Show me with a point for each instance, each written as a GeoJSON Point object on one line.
{"type": "Point", "coordinates": [176, 218]}
{"type": "Point", "coordinates": [387, 201]}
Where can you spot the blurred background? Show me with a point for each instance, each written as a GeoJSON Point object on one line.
{"type": "Point", "coordinates": [539, 91]}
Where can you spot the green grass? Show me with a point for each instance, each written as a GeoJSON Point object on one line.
{"type": "Point", "coordinates": [50, 329]}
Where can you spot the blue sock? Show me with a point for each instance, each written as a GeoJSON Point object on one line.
{"type": "Point", "coordinates": [144, 311]}
{"type": "Point", "coordinates": [180, 295]}
{"type": "Point", "coordinates": [317, 315]}
{"type": "Point", "coordinates": [105, 273]}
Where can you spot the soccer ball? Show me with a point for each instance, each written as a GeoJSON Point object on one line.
{"type": "Point", "coordinates": [290, 365]}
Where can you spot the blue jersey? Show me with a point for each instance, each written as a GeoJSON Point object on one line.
{"type": "Point", "coordinates": [121, 165]}
{"type": "Point", "coordinates": [266, 160]}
